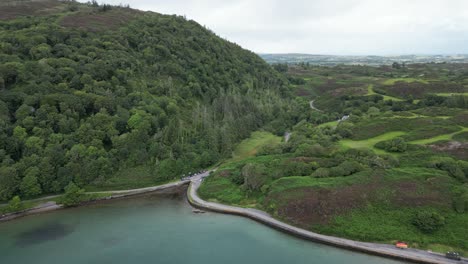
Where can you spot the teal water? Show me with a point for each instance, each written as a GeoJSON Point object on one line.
{"type": "Point", "coordinates": [156, 229]}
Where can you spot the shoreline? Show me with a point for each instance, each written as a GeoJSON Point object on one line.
{"type": "Point", "coordinates": [52, 206]}
{"type": "Point", "coordinates": [384, 250]}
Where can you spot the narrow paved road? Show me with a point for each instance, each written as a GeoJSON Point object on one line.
{"type": "Point", "coordinates": [415, 255]}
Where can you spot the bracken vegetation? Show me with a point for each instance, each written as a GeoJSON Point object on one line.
{"type": "Point", "coordinates": [391, 168]}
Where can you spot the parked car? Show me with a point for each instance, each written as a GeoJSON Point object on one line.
{"type": "Point", "coordinates": [453, 255]}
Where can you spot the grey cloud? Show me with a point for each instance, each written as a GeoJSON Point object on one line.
{"type": "Point", "coordinates": [329, 26]}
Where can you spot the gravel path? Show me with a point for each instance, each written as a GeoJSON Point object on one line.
{"type": "Point", "coordinates": [386, 250]}
{"type": "Point", "coordinates": [311, 103]}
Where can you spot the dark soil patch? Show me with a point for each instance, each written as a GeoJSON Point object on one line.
{"type": "Point", "coordinates": [454, 148]}
{"type": "Point", "coordinates": [98, 21]}
{"type": "Point", "coordinates": [419, 90]}
{"type": "Point", "coordinates": [224, 174]}
{"type": "Point", "coordinates": [302, 159]}
{"type": "Point", "coordinates": [412, 193]}
{"type": "Point", "coordinates": [13, 9]}
{"type": "Point", "coordinates": [303, 92]}
{"type": "Point", "coordinates": [461, 119]}
{"type": "Point", "coordinates": [349, 91]}
{"type": "Point", "coordinates": [308, 206]}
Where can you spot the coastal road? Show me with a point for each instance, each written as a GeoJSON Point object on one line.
{"type": "Point", "coordinates": [414, 255]}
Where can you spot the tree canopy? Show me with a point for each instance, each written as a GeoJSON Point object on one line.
{"type": "Point", "coordinates": [79, 103]}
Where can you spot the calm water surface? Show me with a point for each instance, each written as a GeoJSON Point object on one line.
{"type": "Point", "coordinates": [156, 229]}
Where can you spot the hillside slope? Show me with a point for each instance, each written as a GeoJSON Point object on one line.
{"type": "Point", "coordinates": [392, 168]}
{"type": "Point", "coordinates": [113, 97]}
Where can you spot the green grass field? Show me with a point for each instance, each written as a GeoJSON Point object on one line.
{"type": "Point", "coordinates": [370, 142]}
{"type": "Point", "coordinates": [438, 138]}
{"type": "Point", "coordinates": [408, 80]}
{"type": "Point", "coordinates": [451, 94]}
{"type": "Point", "coordinates": [249, 147]}
{"type": "Point", "coordinates": [370, 91]}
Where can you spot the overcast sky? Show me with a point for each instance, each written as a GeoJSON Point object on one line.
{"type": "Point", "coordinates": [343, 27]}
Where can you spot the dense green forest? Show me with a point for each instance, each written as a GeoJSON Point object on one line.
{"type": "Point", "coordinates": [382, 156]}
{"type": "Point", "coordinates": [110, 97]}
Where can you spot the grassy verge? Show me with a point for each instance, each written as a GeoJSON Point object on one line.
{"type": "Point", "coordinates": [369, 143]}
{"type": "Point", "coordinates": [130, 178]}
{"type": "Point", "coordinates": [451, 94]}
{"type": "Point", "coordinates": [250, 146]}
{"type": "Point", "coordinates": [408, 80]}
{"type": "Point", "coordinates": [370, 91]}
{"type": "Point", "coordinates": [438, 138]}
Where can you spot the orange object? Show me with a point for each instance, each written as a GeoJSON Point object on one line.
{"type": "Point", "coordinates": [401, 245]}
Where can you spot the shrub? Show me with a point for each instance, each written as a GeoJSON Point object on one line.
{"type": "Point", "coordinates": [15, 204]}
{"type": "Point", "coordinates": [73, 195]}
{"type": "Point", "coordinates": [452, 167]}
{"type": "Point", "coordinates": [321, 173]}
{"type": "Point", "coordinates": [337, 171]}
{"type": "Point", "coordinates": [237, 178]}
{"type": "Point", "coordinates": [460, 199]}
{"type": "Point", "coordinates": [271, 149]}
{"type": "Point", "coordinates": [254, 176]}
{"type": "Point", "coordinates": [350, 167]}
{"type": "Point", "coordinates": [428, 221]}
{"type": "Point", "coordinates": [345, 130]}
{"type": "Point", "coordinates": [397, 144]}
{"type": "Point", "coordinates": [308, 150]}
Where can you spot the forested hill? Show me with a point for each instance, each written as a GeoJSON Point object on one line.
{"type": "Point", "coordinates": [90, 91]}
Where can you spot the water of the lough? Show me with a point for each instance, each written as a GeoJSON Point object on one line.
{"type": "Point", "coordinates": [160, 229]}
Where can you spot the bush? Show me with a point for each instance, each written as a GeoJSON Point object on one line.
{"type": "Point", "coordinates": [73, 195]}
{"type": "Point", "coordinates": [271, 149]}
{"type": "Point", "coordinates": [321, 173]}
{"type": "Point", "coordinates": [428, 221]}
{"type": "Point", "coordinates": [308, 150]}
{"type": "Point", "coordinates": [452, 167]}
{"type": "Point", "coordinates": [397, 144]}
{"type": "Point", "coordinates": [254, 176]}
{"type": "Point", "coordinates": [345, 130]}
{"type": "Point", "coordinates": [350, 167]}
{"type": "Point", "coordinates": [15, 204]}
{"type": "Point", "coordinates": [460, 199]}
{"type": "Point", "coordinates": [237, 177]}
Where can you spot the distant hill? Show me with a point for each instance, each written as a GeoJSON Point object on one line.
{"type": "Point", "coordinates": [293, 58]}
{"type": "Point", "coordinates": [112, 97]}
